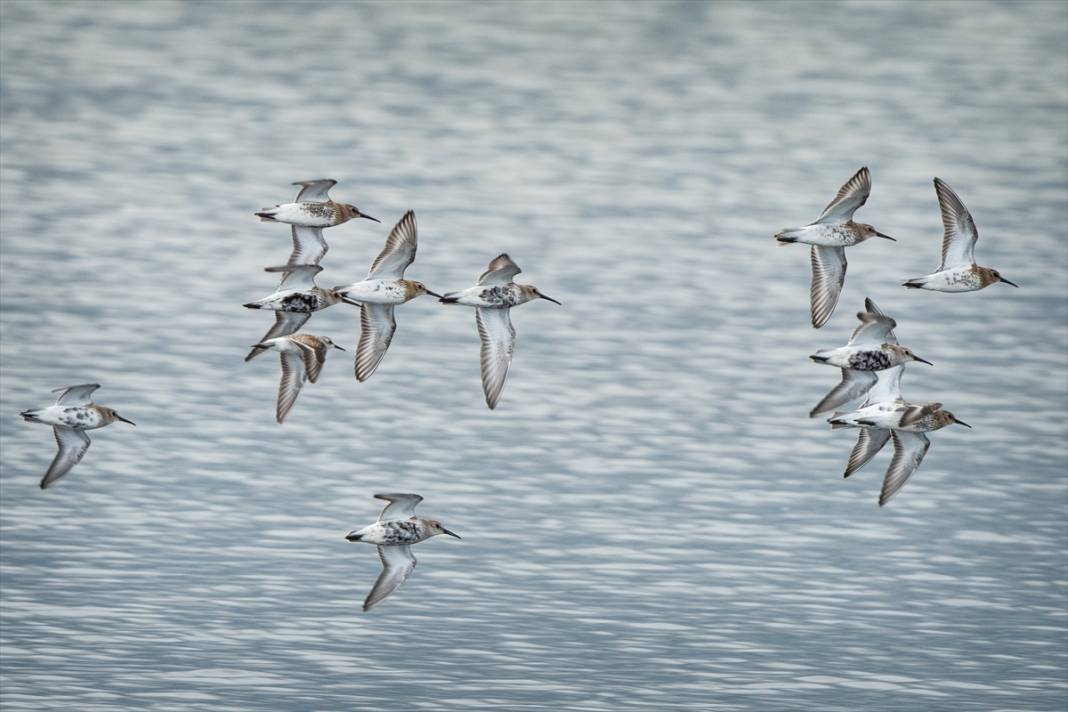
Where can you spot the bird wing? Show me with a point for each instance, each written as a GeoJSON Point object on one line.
{"type": "Point", "coordinates": [853, 385]}
{"type": "Point", "coordinates": [314, 191]}
{"type": "Point", "coordinates": [958, 245]}
{"type": "Point", "coordinates": [828, 276]}
{"type": "Point", "coordinates": [500, 271]}
{"type": "Point", "coordinates": [290, 385]}
{"type": "Point", "coordinates": [909, 449]}
{"type": "Point", "coordinates": [498, 343]}
{"type": "Point", "coordinates": [309, 247]}
{"type": "Point", "coordinates": [76, 395]}
{"type": "Point", "coordinates": [870, 307]}
{"type": "Point", "coordinates": [377, 325]}
{"type": "Point", "coordinates": [298, 277]}
{"type": "Point", "coordinates": [399, 251]}
{"type": "Point", "coordinates": [313, 354]}
{"type": "Point", "coordinates": [72, 446]}
{"type": "Point", "coordinates": [873, 329]}
{"type": "Point", "coordinates": [869, 442]}
{"type": "Point", "coordinates": [851, 196]}
{"type": "Point", "coordinates": [887, 386]}
{"type": "Point", "coordinates": [401, 505]}
{"type": "Point", "coordinates": [914, 413]}
{"type": "Point", "coordinates": [398, 562]}
{"type": "Point", "coordinates": [285, 323]}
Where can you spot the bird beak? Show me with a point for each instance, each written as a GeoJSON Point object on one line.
{"type": "Point", "coordinates": [961, 422]}
{"type": "Point", "coordinates": [349, 301]}
{"type": "Point", "coordinates": [338, 347]}
{"type": "Point", "coordinates": [1008, 282]}
{"type": "Point", "coordinates": [364, 215]}
{"type": "Point", "coordinates": [550, 299]}
{"type": "Point", "coordinates": [451, 533]}
{"type": "Point", "coordinates": [922, 360]}
{"type": "Point", "coordinates": [885, 236]}
{"type": "Point", "coordinates": [434, 294]}
{"type": "Point", "coordinates": [125, 420]}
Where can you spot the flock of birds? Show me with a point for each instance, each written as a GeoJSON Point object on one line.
{"type": "Point", "coordinates": [871, 363]}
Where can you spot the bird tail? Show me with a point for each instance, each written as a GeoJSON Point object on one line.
{"type": "Point", "coordinates": [819, 359]}
{"type": "Point", "coordinates": [916, 283]}
{"type": "Point", "coordinates": [785, 237]}
{"type": "Point", "coordinates": [30, 416]}
{"type": "Point", "coordinates": [450, 298]}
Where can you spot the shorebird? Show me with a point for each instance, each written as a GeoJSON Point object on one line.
{"type": "Point", "coordinates": [294, 301]}
{"type": "Point", "coordinates": [301, 355]}
{"type": "Point", "coordinates": [382, 289]}
{"type": "Point", "coordinates": [958, 271]}
{"type": "Point", "coordinates": [73, 414]}
{"type": "Point", "coordinates": [395, 531]}
{"type": "Point", "coordinates": [833, 231]}
{"type": "Point", "coordinates": [875, 329]}
{"type": "Point", "coordinates": [492, 298]}
{"type": "Point", "coordinates": [313, 208]}
{"type": "Point", "coordinates": [905, 423]}
{"type": "Point", "coordinates": [867, 357]}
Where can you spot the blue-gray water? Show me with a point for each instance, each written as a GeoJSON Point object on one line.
{"type": "Point", "coordinates": [650, 520]}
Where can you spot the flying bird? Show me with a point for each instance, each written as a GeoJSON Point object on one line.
{"type": "Point", "coordinates": [302, 356]}
{"type": "Point", "coordinates": [313, 208]}
{"type": "Point", "coordinates": [493, 298]}
{"type": "Point", "coordinates": [394, 533]}
{"type": "Point", "coordinates": [833, 231]}
{"type": "Point", "coordinates": [73, 414]}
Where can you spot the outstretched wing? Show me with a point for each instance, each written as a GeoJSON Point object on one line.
{"type": "Point", "coordinates": [874, 329]}
{"type": "Point", "coordinates": [314, 191]}
{"type": "Point", "coordinates": [285, 323]}
{"type": "Point", "coordinates": [309, 247]}
{"type": "Point", "coordinates": [915, 413]}
{"type": "Point", "coordinates": [399, 251]}
{"type": "Point", "coordinates": [828, 276]}
{"type": "Point", "coordinates": [72, 446]}
{"type": "Point", "coordinates": [401, 505]}
{"type": "Point", "coordinates": [853, 385]}
{"type": "Point", "coordinates": [290, 385]}
{"type": "Point", "coordinates": [498, 343]}
{"type": "Point", "coordinates": [887, 386]}
{"type": "Point", "coordinates": [312, 353]}
{"type": "Point", "coordinates": [76, 395]}
{"type": "Point", "coordinates": [869, 442]}
{"type": "Point", "coordinates": [958, 245]}
{"type": "Point", "coordinates": [299, 277]}
{"type": "Point", "coordinates": [850, 197]}
{"type": "Point", "coordinates": [909, 449]}
{"type": "Point", "coordinates": [398, 562]}
{"type": "Point", "coordinates": [377, 326]}
{"type": "Point", "coordinates": [500, 271]}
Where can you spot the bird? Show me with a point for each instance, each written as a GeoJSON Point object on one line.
{"type": "Point", "coordinates": [313, 208]}
{"type": "Point", "coordinates": [958, 271]}
{"type": "Point", "coordinates": [293, 302]}
{"type": "Point", "coordinates": [395, 531]}
{"type": "Point", "coordinates": [874, 330]}
{"type": "Point", "coordinates": [302, 355]}
{"type": "Point", "coordinates": [492, 298]}
{"type": "Point", "coordinates": [906, 424]}
{"type": "Point", "coordinates": [73, 414]}
{"type": "Point", "coordinates": [833, 231]}
{"type": "Point", "coordinates": [382, 289]}
{"type": "Point", "coordinates": [867, 356]}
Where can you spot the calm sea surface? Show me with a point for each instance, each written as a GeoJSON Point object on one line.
{"type": "Point", "coordinates": [650, 520]}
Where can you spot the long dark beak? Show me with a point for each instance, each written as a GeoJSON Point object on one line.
{"type": "Point", "coordinates": [338, 347]}
{"type": "Point", "coordinates": [885, 236]}
{"type": "Point", "coordinates": [365, 215]}
{"type": "Point", "coordinates": [451, 533]}
{"type": "Point", "coordinates": [961, 422]}
{"type": "Point", "coordinates": [124, 419]}
{"type": "Point", "coordinates": [922, 360]}
{"type": "Point", "coordinates": [434, 294]}
{"type": "Point", "coordinates": [1008, 282]}
{"type": "Point", "coordinates": [349, 301]}
{"type": "Point", "coordinates": [550, 299]}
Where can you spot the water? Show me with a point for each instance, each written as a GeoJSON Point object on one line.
{"type": "Point", "coordinates": [650, 521]}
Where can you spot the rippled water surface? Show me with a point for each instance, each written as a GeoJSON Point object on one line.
{"type": "Point", "coordinates": [650, 520]}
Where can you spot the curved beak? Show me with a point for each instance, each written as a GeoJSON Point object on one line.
{"type": "Point", "coordinates": [550, 299]}
{"type": "Point", "coordinates": [365, 215]}
{"type": "Point", "coordinates": [1008, 282]}
{"type": "Point", "coordinates": [338, 347]}
{"type": "Point", "coordinates": [434, 294]}
{"type": "Point", "coordinates": [885, 236]}
{"type": "Point", "coordinates": [922, 360]}
{"type": "Point", "coordinates": [451, 533]}
{"type": "Point", "coordinates": [124, 419]}
{"type": "Point", "coordinates": [961, 422]}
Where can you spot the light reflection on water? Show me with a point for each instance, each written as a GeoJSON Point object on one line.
{"type": "Point", "coordinates": [649, 520]}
